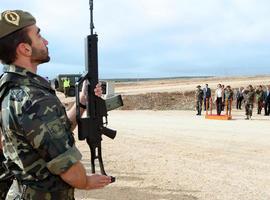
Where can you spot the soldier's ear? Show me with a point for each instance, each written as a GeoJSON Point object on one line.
{"type": "Point", "coordinates": [24, 49]}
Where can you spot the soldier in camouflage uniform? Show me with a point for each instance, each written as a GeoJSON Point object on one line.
{"type": "Point", "coordinates": [199, 99]}
{"type": "Point", "coordinates": [249, 96]}
{"type": "Point", "coordinates": [228, 94]}
{"type": "Point", "coordinates": [259, 99]}
{"type": "Point", "coordinates": [38, 142]}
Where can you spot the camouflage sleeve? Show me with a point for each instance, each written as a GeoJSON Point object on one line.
{"type": "Point", "coordinates": [62, 162]}
{"type": "Point", "coordinates": [47, 129]}
{"type": "Point", "coordinates": [1, 147]}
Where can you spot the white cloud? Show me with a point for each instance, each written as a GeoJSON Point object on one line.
{"type": "Point", "coordinates": [140, 28]}
{"type": "Point", "coordinates": [120, 20]}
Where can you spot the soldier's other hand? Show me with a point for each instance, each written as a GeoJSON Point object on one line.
{"type": "Point", "coordinates": [98, 90]}
{"type": "Point", "coordinates": [97, 181]}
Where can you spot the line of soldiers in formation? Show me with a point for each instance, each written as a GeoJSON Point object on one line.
{"type": "Point", "coordinates": [224, 96]}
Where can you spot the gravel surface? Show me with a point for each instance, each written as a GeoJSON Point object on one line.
{"type": "Point", "coordinates": [175, 155]}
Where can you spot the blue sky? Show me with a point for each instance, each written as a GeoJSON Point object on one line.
{"type": "Point", "coordinates": [155, 38]}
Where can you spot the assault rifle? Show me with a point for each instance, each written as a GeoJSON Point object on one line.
{"type": "Point", "coordinates": [93, 125]}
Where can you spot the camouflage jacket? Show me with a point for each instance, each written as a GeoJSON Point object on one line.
{"type": "Point", "coordinates": [228, 93]}
{"type": "Point", "coordinates": [37, 140]}
{"type": "Point", "coordinates": [5, 178]}
{"type": "Point", "coordinates": [249, 96]}
{"type": "Point", "coordinates": [259, 95]}
{"type": "Point", "coordinates": [199, 95]}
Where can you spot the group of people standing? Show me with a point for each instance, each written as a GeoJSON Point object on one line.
{"type": "Point", "coordinates": [251, 95]}
{"type": "Point", "coordinates": [224, 96]}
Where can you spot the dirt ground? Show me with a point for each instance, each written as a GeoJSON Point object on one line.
{"type": "Point", "coordinates": [175, 155]}
{"type": "Point", "coordinates": [164, 152]}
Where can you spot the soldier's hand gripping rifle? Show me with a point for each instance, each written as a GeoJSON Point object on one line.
{"type": "Point", "coordinates": [94, 124]}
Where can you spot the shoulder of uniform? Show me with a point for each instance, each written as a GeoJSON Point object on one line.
{"type": "Point", "coordinates": [17, 94]}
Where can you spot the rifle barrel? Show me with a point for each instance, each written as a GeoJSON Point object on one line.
{"type": "Point", "coordinates": [91, 17]}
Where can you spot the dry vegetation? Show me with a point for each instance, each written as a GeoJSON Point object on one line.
{"type": "Point", "coordinates": [159, 101]}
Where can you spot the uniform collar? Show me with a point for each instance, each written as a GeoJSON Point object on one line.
{"type": "Point", "coordinates": [27, 74]}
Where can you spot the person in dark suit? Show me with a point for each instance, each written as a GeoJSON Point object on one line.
{"type": "Point", "coordinates": [206, 96]}
{"type": "Point", "coordinates": [239, 98]}
{"type": "Point", "coordinates": [267, 101]}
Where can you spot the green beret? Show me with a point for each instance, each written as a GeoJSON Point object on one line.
{"type": "Point", "coordinates": [13, 20]}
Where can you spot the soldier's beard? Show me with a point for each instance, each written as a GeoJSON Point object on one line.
{"type": "Point", "coordinates": [40, 56]}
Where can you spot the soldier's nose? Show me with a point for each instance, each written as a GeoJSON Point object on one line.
{"type": "Point", "coordinates": [45, 41]}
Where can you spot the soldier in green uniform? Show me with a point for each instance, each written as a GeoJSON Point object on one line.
{"type": "Point", "coordinates": [228, 94]}
{"type": "Point", "coordinates": [259, 99]}
{"type": "Point", "coordinates": [37, 137]}
{"type": "Point", "coordinates": [199, 99]}
{"type": "Point", "coordinates": [249, 97]}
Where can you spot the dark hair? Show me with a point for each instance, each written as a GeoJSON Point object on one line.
{"type": "Point", "coordinates": [9, 43]}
